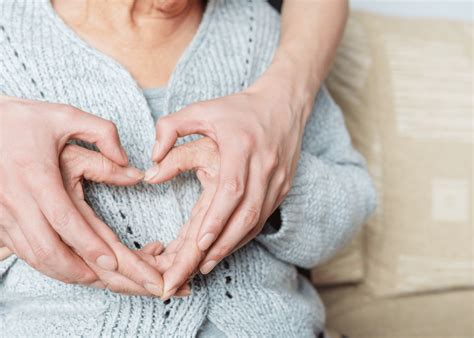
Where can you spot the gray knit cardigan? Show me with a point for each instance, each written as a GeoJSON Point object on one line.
{"type": "Point", "coordinates": [254, 292]}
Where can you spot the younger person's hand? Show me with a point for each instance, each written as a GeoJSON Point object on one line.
{"type": "Point", "coordinates": [203, 157]}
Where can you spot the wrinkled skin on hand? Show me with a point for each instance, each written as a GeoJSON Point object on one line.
{"type": "Point", "coordinates": [139, 272]}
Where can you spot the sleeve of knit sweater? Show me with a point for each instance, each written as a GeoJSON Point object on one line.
{"type": "Point", "coordinates": [331, 195]}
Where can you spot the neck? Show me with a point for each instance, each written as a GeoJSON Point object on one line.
{"type": "Point", "coordinates": [146, 36]}
{"type": "Point", "coordinates": [150, 22]}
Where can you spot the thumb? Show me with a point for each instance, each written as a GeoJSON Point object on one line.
{"type": "Point", "coordinates": [187, 121]}
{"type": "Point", "coordinates": [80, 162]}
{"type": "Point", "coordinates": [93, 129]}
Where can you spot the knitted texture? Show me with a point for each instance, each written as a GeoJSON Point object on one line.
{"type": "Point", "coordinates": [254, 292]}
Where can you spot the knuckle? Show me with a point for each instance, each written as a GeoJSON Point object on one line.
{"type": "Point", "coordinates": [209, 145]}
{"type": "Point", "coordinates": [233, 186]}
{"type": "Point", "coordinates": [105, 166]}
{"type": "Point", "coordinates": [69, 156]}
{"type": "Point", "coordinates": [286, 188]}
{"type": "Point", "coordinates": [67, 152]}
{"type": "Point", "coordinates": [272, 161]}
{"type": "Point", "coordinates": [217, 223]}
{"type": "Point", "coordinates": [163, 123]}
{"type": "Point", "coordinates": [251, 217]}
{"type": "Point", "coordinates": [61, 219]}
{"type": "Point", "coordinates": [110, 129]}
{"type": "Point", "coordinates": [246, 142]}
{"type": "Point", "coordinates": [42, 256]}
{"type": "Point", "coordinates": [281, 178]}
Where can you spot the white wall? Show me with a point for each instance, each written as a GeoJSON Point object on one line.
{"type": "Point", "coordinates": [456, 9]}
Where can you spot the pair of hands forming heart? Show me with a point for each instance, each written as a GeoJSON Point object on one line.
{"type": "Point", "coordinates": [144, 271]}
{"type": "Point", "coordinates": [258, 133]}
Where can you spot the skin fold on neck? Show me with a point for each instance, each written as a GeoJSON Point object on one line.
{"type": "Point", "coordinates": [146, 36]}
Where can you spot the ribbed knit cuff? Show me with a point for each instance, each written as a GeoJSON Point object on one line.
{"type": "Point", "coordinates": [288, 243]}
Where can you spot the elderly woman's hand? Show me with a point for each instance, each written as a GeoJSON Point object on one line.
{"type": "Point", "coordinates": [134, 275]}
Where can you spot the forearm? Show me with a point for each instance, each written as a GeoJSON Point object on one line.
{"type": "Point", "coordinates": [310, 33]}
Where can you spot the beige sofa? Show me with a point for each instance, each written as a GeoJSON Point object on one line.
{"type": "Point", "coordinates": [406, 87]}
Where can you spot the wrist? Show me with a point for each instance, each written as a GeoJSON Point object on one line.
{"type": "Point", "coordinates": [300, 70]}
{"type": "Point", "coordinates": [287, 81]}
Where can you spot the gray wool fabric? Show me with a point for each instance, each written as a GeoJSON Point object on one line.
{"type": "Point", "coordinates": [255, 292]}
{"type": "Point", "coordinates": [155, 98]}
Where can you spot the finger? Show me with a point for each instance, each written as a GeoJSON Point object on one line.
{"type": "Point", "coordinates": [186, 261]}
{"type": "Point", "coordinates": [118, 283]}
{"type": "Point", "coordinates": [160, 262]}
{"type": "Point", "coordinates": [130, 265]}
{"type": "Point", "coordinates": [68, 222]}
{"type": "Point", "coordinates": [188, 156]}
{"type": "Point", "coordinates": [93, 129]}
{"type": "Point", "coordinates": [77, 162]}
{"type": "Point", "coordinates": [5, 253]}
{"type": "Point", "coordinates": [178, 160]}
{"type": "Point", "coordinates": [243, 221]}
{"type": "Point", "coordinates": [15, 241]}
{"type": "Point", "coordinates": [164, 261]}
{"type": "Point", "coordinates": [184, 291]}
{"type": "Point", "coordinates": [153, 248]}
{"type": "Point", "coordinates": [275, 195]}
{"type": "Point", "coordinates": [202, 202]}
{"type": "Point", "coordinates": [181, 123]}
{"type": "Point", "coordinates": [55, 265]}
{"type": "Point", "coordinates": [40, 246]}
{"type": "Point", "coordinates": [230, 190]}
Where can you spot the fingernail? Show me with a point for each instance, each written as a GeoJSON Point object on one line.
{"type": "Point", "coordinates": [153, 289]}
{"type": "Point", "coordinates": [152, 172]}
{"type": "Point", "coordinates": [206, 241]}
{"type": "Point", "coordinates": [134, 173]}
{"type": "Point", "coordinates": [207, 267]}
{"type": "Point", "coordinates": [167, 294]}
{"type": "Point", "coordinates": [156, 148]}
{"type": "Point", "coordinates": [107, 262]}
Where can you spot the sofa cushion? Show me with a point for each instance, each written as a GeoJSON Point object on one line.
{"type": "Point", "coordinates": [405, 86]}
{"type": "Point", "coordinates": [356, 313]}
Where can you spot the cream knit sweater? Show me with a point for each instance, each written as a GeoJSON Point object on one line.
{"type": "Point", "coordinates": [254, 292]}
